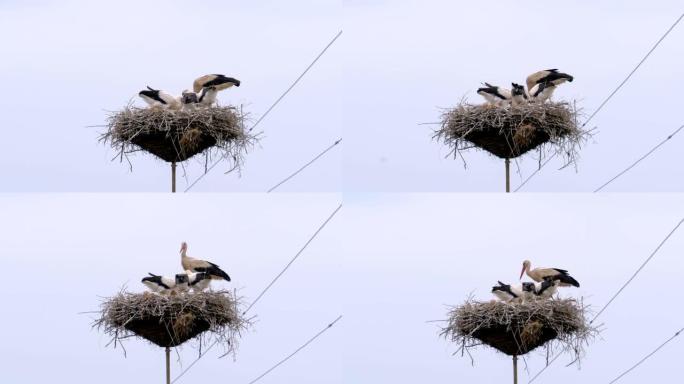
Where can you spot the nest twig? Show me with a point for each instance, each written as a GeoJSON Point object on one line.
{"type": "Point", "coordinates": [516, 328]}
{"type": "Point", "coordinates": [169, 321]}
{"type": "Point", "coordinates": [509, 132]}
{"type": "Point", "coordinates": [175, 136]}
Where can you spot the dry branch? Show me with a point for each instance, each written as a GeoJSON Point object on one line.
{"type": "Point", "coordinates": [516, 328]}
{"type": "Point", "coordinates": [509, 132]}
{"type": "Point", "coordinates": [169, 321]}
{"type": "Point", "coordinates": [175, 136]}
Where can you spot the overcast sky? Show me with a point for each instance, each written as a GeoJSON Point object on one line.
{"type": "Point", "coordinates": [85, 247]}
{"type": "Point", "coordinates": [68, 62]}
{"type": "Point", "coordinates": [413, 255]}
{"type": "Point", "coordinates": [406, 59]}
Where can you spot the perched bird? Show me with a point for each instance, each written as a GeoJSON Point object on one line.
{"type": "Point", "coordinates": [196, 265]}
{"type": "Point", "coordinates": [504, 292]}
{"type": "Point", "coordinates": [546, 288]}
{"type": "Point", "coordinates": [508, 292]}
{"type": "Point", "coordinates": [542, 91]}
{"type": "Point", "coordinates": [518, 94]}
{"type": "Point", "coordinates": [219, 82]}
{"type": "Point", "coordinates": [198, 281]}
{"type": "Point", "coordinates": [208, 96]}
{"type": "Point", "coordinates": [548, 75]}
{"type": "Point", "coordinates": [540, 274]}
{"type": "Point", "coordinates": [494, 95]}
{"type": "Point", "coordinates": [156, 98]}
{"type": "Point", "coordinates": [182, 283]}
{"type": "Point", "coordinates": [159, 284]}
{"type": "Point", "coordinates": [189, 99]}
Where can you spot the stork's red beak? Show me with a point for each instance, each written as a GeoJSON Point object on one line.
{"type": "Point", "coordinates": [522, 272]}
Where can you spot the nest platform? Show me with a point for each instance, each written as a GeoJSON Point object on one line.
{"type": "Point", "coordinates": [169, 321]}
{"type": "Point", "coordinates": [509, 132]}
{"type": "Point", "coordinates": [175, 136]}
{"type": "Point", "coordinates": [515, 328]}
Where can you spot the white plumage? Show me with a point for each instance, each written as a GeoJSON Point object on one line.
{"type": "Point", "coordinates": [198, 281]}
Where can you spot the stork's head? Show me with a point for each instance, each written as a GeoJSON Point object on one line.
{"type": "Point", "coordinates": [184, 247]}
{"type": "Point", "coordinates": [518, 90]}
{"type": "Point", "coordinates": [525, 267]}
{"type": "Point", "coordinates": [181, 278]}
{"type": "Point", "coordinates": [528, 286]}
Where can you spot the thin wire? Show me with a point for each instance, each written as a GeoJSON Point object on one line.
{"type": "Point", "coordinates": [272, 106]}
{"type": "Point", "coordinates": [647, 356]}
{"type": "Point", "coordinates": [266, 289]}
{"type": "Point", "coordinates": [297, 350]}
{"type": "Point", "coordinates": [640, 159]}
{"type": "Point", "coordinates": [655, 251]}
{"type": "Point", "coordinates": [295, 257]}
{"type": "Point", "coordinates": [616, 89]}
{"type": "Point", "coordinates": [304, 166]}
{"type": "Point", "coordinates": [535, 172]}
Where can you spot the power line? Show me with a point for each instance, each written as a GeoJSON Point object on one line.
{"type": "Point", "coordinates": [619, 86]}
{"type": "Point", "coordinates": [647, 356]}
{"type": "Point", "coordinates": [272, 106]}
{"type": "Point", "coordinates": [535, 172]}
{"type": "Point", "coordinates": [297, 350]}
{"type": "Point", "coordinates": [320, 228]}
{"type": "Point", "coordinates": [304, 166]}
{"type": "Point", "coordinates": [655, 251]}
{"type": "Point", "coordinates": [648, 259]}
{"type": "Point", "coordinates": [266, 289]}
{"type": "Point", "coordinates": [640, 159]}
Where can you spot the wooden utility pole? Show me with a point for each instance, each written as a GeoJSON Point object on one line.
{"type": "Point", "coordinates": [515, 369]}
{"type": "Point", "coordinates": [173, 177]}
{"type": "Point", "coordinates": [508, 175]}
{"type": "Point", "coordinates": [168, 364]}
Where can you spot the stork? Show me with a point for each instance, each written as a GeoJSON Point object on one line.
{"type": "Point", "coordinates": [548, 75]}
{"type": "Point", "coordinates": [196, 265]}
{"type": "Point", "coordinates": [182, 283]}
{"type": "Point", "coordinates": [518, 94]}
{"type": "Point", "coordinates": [542, 91]}
{"type": "Point", "coordinates": [546, 288]}
{"type": "Point", "coordinates": [508, 292]}
{"type": "Point", "coordinates": [156, 98]}
{"type": "Point", "coordinates": [219, 82]}
{"type": "Point", "coordinates": [208, 96]}
{"type": "Point", "coordinates": [159, 284]}
{"type": "Point", "coordinates": [189, 99]}
{"type": "Point", "coordinates": [494, 95]}
{"type": "Point", "coordinates": [198, 281]}
{"type": "Point", "coordinates": [540, 274]}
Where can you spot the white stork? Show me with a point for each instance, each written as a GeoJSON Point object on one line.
{"type": "Point", "coordinates": [494, 95]}
{"type": "Point", "coordinates": [198, 281]}
{"type": "Point", "coordinates": [508, 292]}
{"type": "Point", "coordinates": [220, 82]}
{"type": "Point", "coordinates": [540, 274]}
{"type": "Point", "coordinates": [159, 284]}
{"type": "Point", "coordinates": [518, 94]}
{"type": "Point", "coordinates": [189, 99]}
{"type": "Point", "coordinates": [548, 75]}
{"type": "Point", "coordinates": [156, 98]}
{"type": "Point", "coordinates": [542, 91]}
{"type": "Point", "coordinates": [546, 288]}
{"type": "Point", "coordinates": [208, 96]}
{"type": "Point", "coordinates": [196, 265]}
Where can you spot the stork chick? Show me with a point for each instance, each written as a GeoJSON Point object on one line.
{"type": "Point", "coordinates": [494, 95]}
{"type": "Point", "coordinates": [208, 96]}
{"type": "Point", "coordinates": [159, 284]}
{"type": "Point", "coordinates": [189, 99]}
{"type": "Point", "coordinates": [182, 283]}
{"type": "Point", "coordinates": [196, 265]}
{"type": "Point", "coordinates": [198, 281]}
{"type": "Point", "coordinates": [219, 82]}
{"type": "Point", "coordinates": [156, 98]}
{"type": "Point", "coordinates": [548, 75]}
{"type": "Point", "coordinates": [518, 94]}
{"type": "Point", "coordinates": [542, 91]}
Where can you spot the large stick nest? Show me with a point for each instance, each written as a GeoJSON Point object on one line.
{"type": "Point", "coordinates": [169, 321]}
{"type": "Point", "coordinates": [516, 328]}
{"type": "Point", "coordinates": [509, 132]}
{"type": "Point", "coordinates": [175, 136]}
